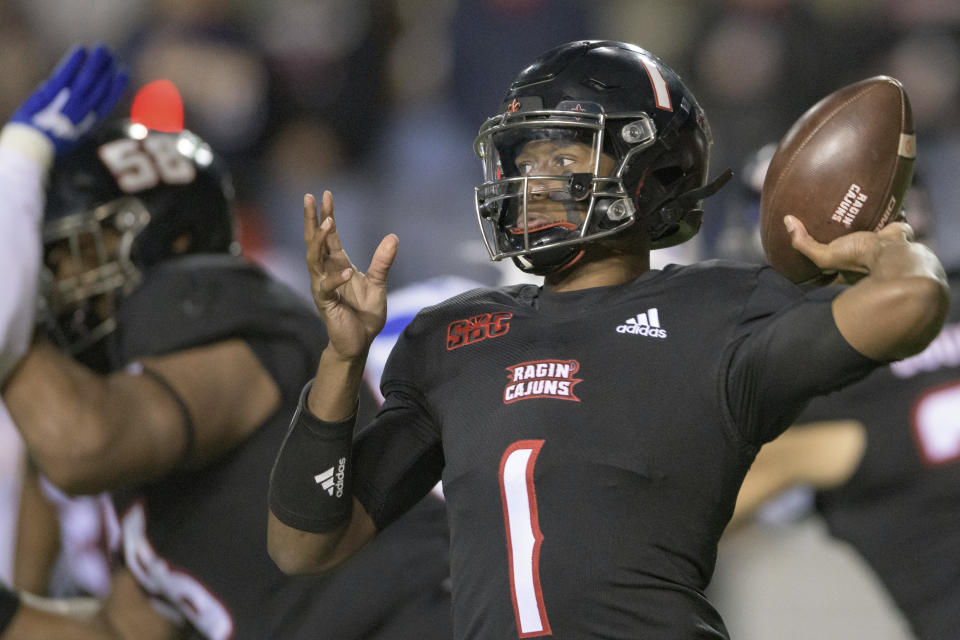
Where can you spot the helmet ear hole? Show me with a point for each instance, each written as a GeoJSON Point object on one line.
{"type": "Point", "coordinates": [181, 244]}
{"type": "Point", "coordinates": [668, 175]}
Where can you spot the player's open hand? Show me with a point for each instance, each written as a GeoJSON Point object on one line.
{"type": "Point", "coordinates": [851, 256]}
{"type": "Point", "coordinates": [352, 304]}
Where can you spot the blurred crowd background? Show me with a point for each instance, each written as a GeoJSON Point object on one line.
{"type": "Point", "coordinates": [379, 101]}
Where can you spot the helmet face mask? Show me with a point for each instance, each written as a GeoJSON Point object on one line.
{"type": "Point", "coordinates": [626, 107]}
{"type": "Point", "coordinates": [548, 185]}
{"type": "Point", "coordinates": [120, 202]}
{"type": "Point", "coordinates": [86, 266]}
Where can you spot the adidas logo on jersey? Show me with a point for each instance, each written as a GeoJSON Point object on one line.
{"type": "Point", "coordinates": [644, 324]}
{"type": "Point", "coordinates": [330, 481]}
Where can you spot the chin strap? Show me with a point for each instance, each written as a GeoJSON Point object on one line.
{"type": "Point", "coordinates": [672, 213]}
{"type": "Point", "coordinates": [708, 189]}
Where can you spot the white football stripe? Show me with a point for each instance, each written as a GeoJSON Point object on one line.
{"type": "Point", "coordinates": [660, 90]}
{"type": "Point", "coordinates": [908, 146]}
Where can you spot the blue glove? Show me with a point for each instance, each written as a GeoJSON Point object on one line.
{"type": "Point", "coordinates": [79, 93]}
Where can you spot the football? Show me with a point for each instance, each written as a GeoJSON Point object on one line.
{"type": "Point", "coordinates": [843, 166]}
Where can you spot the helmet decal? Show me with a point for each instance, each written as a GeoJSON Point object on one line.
{"type": "Point", "coordinates": [661, 91]}
{"type": "Point", "coordinates": [158, 106]}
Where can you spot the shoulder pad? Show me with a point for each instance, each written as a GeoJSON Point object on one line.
{"type": "Point", "coordinates": [201, 299]}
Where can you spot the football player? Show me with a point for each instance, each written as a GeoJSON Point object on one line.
{"type": "Point", "coordinates": [81, 91]}
{"type": "Point", "coordinates": [166, 376]}
{"type": "Point", "coordinates": [591, 433]}
{"type": "Point", "coordinates": [883, 456]}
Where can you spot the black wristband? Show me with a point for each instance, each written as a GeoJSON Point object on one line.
{"type": "Point", "coordinates": [310, 486]}
{"type": "Point", "coordinates": [9, 605]}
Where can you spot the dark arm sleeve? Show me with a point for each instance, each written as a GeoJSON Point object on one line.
{"type": "Point", "coordinates": [9, 605]}
{"type": "Point", "coordinates": [784, 359]}
{"type": "Point", "coordinates": [398, 458]}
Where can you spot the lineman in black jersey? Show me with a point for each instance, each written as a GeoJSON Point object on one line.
{"type": "Point", "coordinates": [188, 361]}
{"type": "Point", "coordinates": [884, 455]}
{"type": "Point", "coordinates": [80, 91]}
{"type": "Point", "coordinates": [910, 536]}
{"type": "Point", "coordinates": [591, 434]}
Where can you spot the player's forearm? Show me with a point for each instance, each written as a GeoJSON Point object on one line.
{"type": "Point", "coordinates": [893, 260]}
{"type": "Point", "coordinates": [315, 523]}
{"type": "Point", "coordinates": [77, 619]}
{"type": "Point", "coordinates": [298, 552]}
{"type": "Point", "coordinates": [822, 455]}
{"type": "Point", "coordinates": [899, 308]}
{"type": "Point", "coordinates": [25, 156]}
{"type": "Point", "coordinates": [59, 407]}
{"type": "Point", "coordinates": [38, 535]}
{"type": "Point", "coordinates": [336, 386]}
{"type": "Point", "coordinates": [758, 487]}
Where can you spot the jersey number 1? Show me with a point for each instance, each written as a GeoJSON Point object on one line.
{"type": "Point", "coordinates": [523, 536]}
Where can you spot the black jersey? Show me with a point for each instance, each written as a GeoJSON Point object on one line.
{"type": "Point", "coordinates": [197, 539]}
{"type": "Point", "coordinates": [901, 507]}
{"type": "Point", "coordinates": [591, 444]}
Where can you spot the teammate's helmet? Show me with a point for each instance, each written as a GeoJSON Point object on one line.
{"type": "Point", "coordinates": [127, 198]}
{"type": "Point", "coordinates": [624, 102]}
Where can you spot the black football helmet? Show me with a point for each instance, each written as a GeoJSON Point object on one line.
{"type": "Point", "coordinates": [622, 101]}
{"type": "Point", "coordinates": [126, 198]}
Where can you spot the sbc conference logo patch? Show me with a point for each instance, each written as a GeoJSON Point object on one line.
{"type": "Point", "coordinates": [542, 379]}
{"type": "Point", "coordinates": [478, 328]}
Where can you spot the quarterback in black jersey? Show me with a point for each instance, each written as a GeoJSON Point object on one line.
{"type": "Point", "coordinates": [591, 433]}
{"type": "Point", "coordinates": [167, 376]}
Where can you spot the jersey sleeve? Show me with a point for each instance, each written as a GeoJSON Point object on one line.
{"type": "Point", "coordinates": [23, 166]}
{"type": "Point", "coordinates": [213, 298]}
{"type": "Point", "coordinates": [784, 355]}
{"type": "Point", "coordinates": [398, 457]}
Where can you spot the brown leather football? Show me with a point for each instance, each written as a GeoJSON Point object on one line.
{"type": "Point", "coordinates": [843, 166]}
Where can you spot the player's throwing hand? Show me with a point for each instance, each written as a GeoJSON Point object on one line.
{"type": "Point", "coordinates": [853, 255]}
{"type": "Point", "coordinates": [352, 304]}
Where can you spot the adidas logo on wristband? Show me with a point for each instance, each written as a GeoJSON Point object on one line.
{"type": "Point", "coordinates": [330, 481]}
